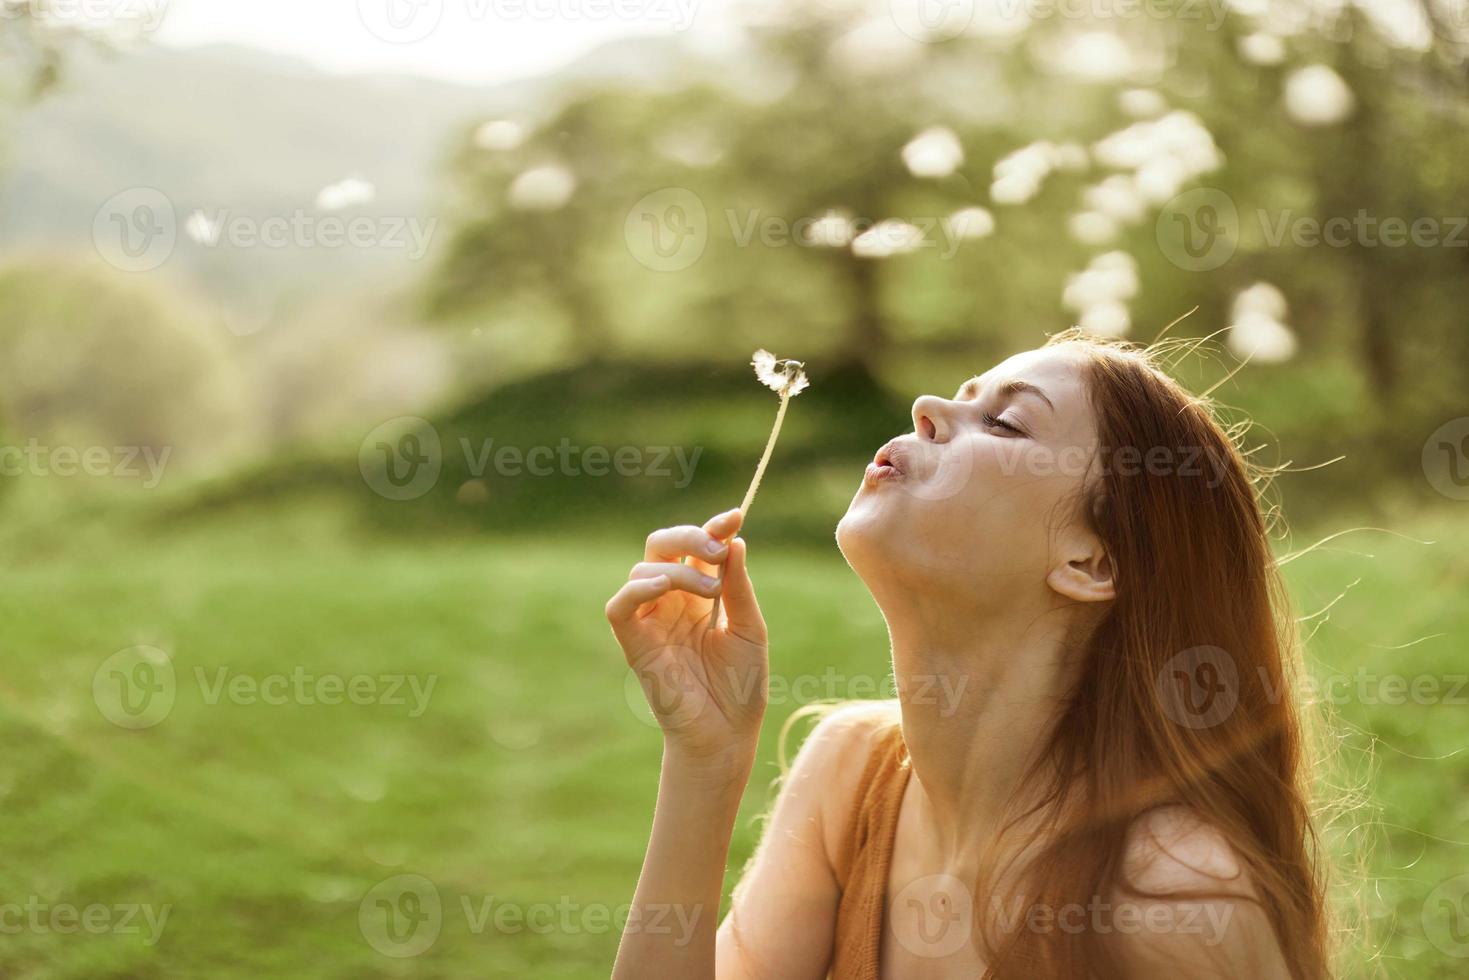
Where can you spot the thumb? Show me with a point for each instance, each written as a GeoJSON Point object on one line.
{"type": "Point", "coordinates": [740, 605]}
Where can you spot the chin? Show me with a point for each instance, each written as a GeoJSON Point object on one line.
{"type": "Point", "coordinates": [862, 533]}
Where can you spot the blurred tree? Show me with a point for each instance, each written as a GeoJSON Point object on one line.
{"type": "Point", "coordinates": [1073, 137]}
{"type": "Point", "coordinates": [30, 51]}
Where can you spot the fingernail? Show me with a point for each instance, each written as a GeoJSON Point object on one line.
{"type": "Point", "coordinates": [709, 583]}
{"type": "Point", "coordinates": [714, 547]}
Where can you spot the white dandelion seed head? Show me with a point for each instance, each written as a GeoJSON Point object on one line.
{"type": "Point", "coordinates": [972, 222]}
{"type": "Point", "coordinates": [1110, 278]}
{"type": "Point", "coordinates": [1259, 331]}
{"type": "Point", "coordinates": [1262, 298]}
{"type": "Point", "coordinates": [1261, 48]}
{"type": "Point", "coordinates": [779, 375]}
{"type": "Point", "coordinates": [1161, 179]}
{"type": "Point", "coordinates": [499, 135]}
{"type": "Point", "coordinates": [1178, 135]}
{"type": "Point", "coordinates": [1092, 228]}
{"type": "Point", "coordinates": [1317, 96]}
{"type": "Point", "coordinates": [1108, 318]}
{"type": "Point", "coordinates": [1070, 158]}
{"type": "Point", "coordinates": [1142, 103]}
{"type": "Point", "coordinates": [543, 188]}
{"type": "Point", "coordinates": [832, 230]}
{"type": "Point", "coordinates": [1117, 198]}
{"type": "Point", "coordinates": [886, 238]}
{"type": "Point", "coordinates": [1261, 338]}
{"type": "Point", "coordinates": [200, 229]}
{"type": "Point", "coordinates": [1097, 56]}
{"type": "Point", "coordinates": [874, 48]}
{"type": "Point", "coordinates": [1014, 189]}
{"type": "Point", "coordinates": [935, 152]}
{"type": "Point", "coordinates": [345, 194]}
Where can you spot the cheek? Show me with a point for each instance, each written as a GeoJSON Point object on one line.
{"type": "Point", "coordinates": [1016, 489]}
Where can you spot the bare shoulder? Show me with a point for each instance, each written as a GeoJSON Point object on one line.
{"type": "Point", "coordinates": [1174, 849]}
{"type": "Point", "coordinates": [833, 758]}
{"type": "Point", "coordinates": [1195, 905]}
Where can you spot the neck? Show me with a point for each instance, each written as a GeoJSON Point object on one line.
{"type": "Point", "coordinates": [979, 695]}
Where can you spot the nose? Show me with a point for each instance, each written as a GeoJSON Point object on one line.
{"type": "Point", "coordinates": [931, 418]}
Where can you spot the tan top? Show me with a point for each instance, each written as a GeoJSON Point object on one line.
{"type": "Point", "coordinates": [863, 858]}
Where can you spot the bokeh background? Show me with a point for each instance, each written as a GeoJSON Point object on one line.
{"type": "Point", "coordinates": [349, 352]}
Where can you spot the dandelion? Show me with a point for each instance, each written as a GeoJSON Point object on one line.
{"type": "Point", "coordinates": [787, 379]}
{"type": "Point", "coordinates": [1317, 96]}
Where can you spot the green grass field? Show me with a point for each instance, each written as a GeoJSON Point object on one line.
{"type": "Point", "coordinates": [524, 787]}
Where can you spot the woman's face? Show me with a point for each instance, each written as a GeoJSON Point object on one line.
{"type": "Point", "coordinates": [984, 496]}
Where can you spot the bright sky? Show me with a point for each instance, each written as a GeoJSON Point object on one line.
{"type": "Point", "coordinates": [460, 40]}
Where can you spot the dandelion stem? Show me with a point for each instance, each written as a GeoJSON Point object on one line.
{"type": "Point", "coordinates": [780, 416]}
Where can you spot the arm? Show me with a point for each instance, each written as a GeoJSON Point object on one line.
{"type": "Point", "coordinates": [707, 686]}
{"type": "Point", "coordinates": [782, 917]}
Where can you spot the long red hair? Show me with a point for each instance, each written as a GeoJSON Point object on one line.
{"type": "Point", "coordinates": [1197, 590]}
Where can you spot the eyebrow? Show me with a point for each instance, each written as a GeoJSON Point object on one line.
{"type": "Point", "coordinates": [1016, 387]}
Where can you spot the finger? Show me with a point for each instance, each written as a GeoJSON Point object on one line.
{"type": "Point", "coordinates": [740, 606]}
{"type": "Point", "coordinates": [684, 577]}
{"type": "Point", "coordinates": [623, 606]}
{"type": "Point", "coordinates": [673, 543]}
{"type": "Point", "coordinates": [724, 526]}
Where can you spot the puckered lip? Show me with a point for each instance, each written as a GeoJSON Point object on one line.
{"type": "Point", "coordinates": [887, 464]}
{"type": "Point", "coordinates": [891, 454]}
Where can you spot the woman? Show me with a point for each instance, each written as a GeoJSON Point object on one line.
{"type": "Point", "coordinates": [1072, 548]}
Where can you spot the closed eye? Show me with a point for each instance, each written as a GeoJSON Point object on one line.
{"type": "Point", "coordinates": [998, 423]}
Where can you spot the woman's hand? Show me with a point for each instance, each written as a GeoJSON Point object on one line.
{"type": "Point", "coordinates": [707, 683]}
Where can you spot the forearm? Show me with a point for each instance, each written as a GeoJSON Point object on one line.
{"type": "Point", "coordinates": [671, 929]}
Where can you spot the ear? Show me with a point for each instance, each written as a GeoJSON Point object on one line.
{"type": "Point", "coordinates": [1087, 578]}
